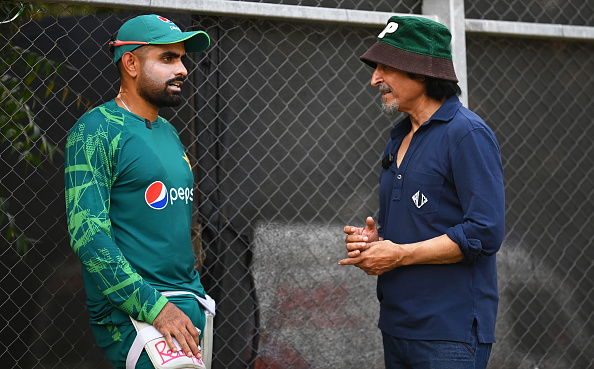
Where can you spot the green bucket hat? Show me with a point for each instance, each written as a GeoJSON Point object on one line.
{"type": "Point", "coordinates": [155, 30]}
{"type": "Point", "coordinates": [415, 45]}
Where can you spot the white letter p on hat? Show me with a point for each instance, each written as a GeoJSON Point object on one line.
{"type": "Point", "coordinates": [390, 28]}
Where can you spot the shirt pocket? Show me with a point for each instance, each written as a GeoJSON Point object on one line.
{"type": "Point", "coordinates": [423, 192]}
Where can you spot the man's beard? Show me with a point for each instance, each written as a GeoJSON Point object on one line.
{"type": "Point", "coordinates": [391, 108]}
{"type": "Point", "coordinates": [149, 90]}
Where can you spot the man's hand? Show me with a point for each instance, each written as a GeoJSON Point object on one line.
{"type": "Point", "coordinates": [377, 258]}
{"type": "Point", "coordinates": [366, 250]}
{"type": "Point", "coordinates": [358, 238]}
{"type": "Point", "coordinates": [172, 322]}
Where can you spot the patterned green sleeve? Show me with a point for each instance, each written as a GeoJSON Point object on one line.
{"type": "Point", "coordinates": [91, 156]}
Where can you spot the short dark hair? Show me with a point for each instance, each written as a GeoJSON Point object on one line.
{"type": "Point", "coordinates": [139, 51]}
{"type": "Point", "coordinates": [436, 88]}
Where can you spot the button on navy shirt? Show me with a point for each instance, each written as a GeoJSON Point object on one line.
{"type": "Point", "coordinates": [449, 182]}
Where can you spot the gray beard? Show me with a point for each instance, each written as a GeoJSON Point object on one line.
{"type": "Point", "coordinates": [390, 109]}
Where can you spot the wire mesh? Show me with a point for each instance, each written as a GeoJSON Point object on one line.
{"type": "Point", "coordinates": [285, 134]}
{"type": "Point", "coordinates": [571, 12]}
{"type": "Point", "coordinates": [545, 133]}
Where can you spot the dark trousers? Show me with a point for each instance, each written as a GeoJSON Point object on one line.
{"type": "Point", "coordinates": [418, 354]}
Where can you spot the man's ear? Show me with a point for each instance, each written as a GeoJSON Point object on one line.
{"type": "Point", "coordinates": [130, 64]}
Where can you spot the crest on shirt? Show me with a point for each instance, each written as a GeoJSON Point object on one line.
{"type": "Point", "coordinates": [419, 199]}
{"type": "Point", "coordinates": [185, 157]}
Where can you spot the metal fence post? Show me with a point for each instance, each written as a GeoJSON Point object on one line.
{"type": "Point", "coordinates": [451, 14]}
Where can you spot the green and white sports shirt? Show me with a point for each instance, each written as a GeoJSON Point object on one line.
{"type": "Point", "coordinates": [129, 193]}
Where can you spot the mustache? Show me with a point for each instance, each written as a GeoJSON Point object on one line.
{"type": "Point", "coordinates": [384, 89]}
{"type": "Point", "coordinates": [177, 79]}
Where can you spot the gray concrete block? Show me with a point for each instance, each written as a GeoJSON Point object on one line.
{"type": "Point", "coordinates": [313, 312]}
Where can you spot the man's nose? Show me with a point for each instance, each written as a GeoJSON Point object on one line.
{"type": "Point", "coordinates": [181, 69]}
{"type": "Point", "coordinates": [376, 77]}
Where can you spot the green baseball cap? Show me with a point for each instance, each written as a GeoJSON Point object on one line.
{"type": "Point", "coordinates": [415, 45]}
{"type": "Point", "coordinates": [155, 30]}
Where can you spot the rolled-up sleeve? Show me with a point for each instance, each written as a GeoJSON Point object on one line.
{"type": "Point", "coordinates": [478, 176]}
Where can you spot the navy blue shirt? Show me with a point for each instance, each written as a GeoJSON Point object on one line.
{"type": "Point", "coordinates": [449, 182]}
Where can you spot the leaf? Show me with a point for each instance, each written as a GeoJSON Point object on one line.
{"type": "Point", "coordinates": [22, 244]}
{"type": "Point", "coordinates": [10, 133]}
{"type": "Point", "coordinates": [27, 94]}
{"type": "Point", "coordinates": [50, 88]}
{"type": "Point", "coordinates": [9, 233]}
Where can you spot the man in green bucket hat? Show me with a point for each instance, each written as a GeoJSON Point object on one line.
{"type": "Point", "coordinates": [129, 192]}
{"type": "Point", "coordinates": [441, 208]}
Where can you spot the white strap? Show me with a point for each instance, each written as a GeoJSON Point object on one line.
{"type": "Point", "coordinates": [142, 338]}
{"type": "Point", "coordinates": [207, 340]}
{"type": "Point", "coordinates": [208, 303]}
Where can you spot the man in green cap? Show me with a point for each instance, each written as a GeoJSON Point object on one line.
{"type": "Point", "coordinates": [129, 192]}
{"type": "Point", "coordinates": [441, 208]}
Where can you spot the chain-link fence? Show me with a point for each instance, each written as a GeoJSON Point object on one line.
{"type": "Point", "coordinates": [285, 134]}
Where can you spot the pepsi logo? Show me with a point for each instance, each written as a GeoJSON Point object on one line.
{"type": "Point", "coordinates": [164, 19]}
{"type": "Point", "coordinates": [156, 195]}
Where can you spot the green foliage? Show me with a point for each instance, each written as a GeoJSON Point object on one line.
{"type": "Point", "coordinates": [17, 119]}
{"type": "Point", "coordinates": [26, 79]}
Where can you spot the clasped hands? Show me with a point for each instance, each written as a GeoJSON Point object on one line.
{"type": "Point", "coordinates": [367, 251]}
